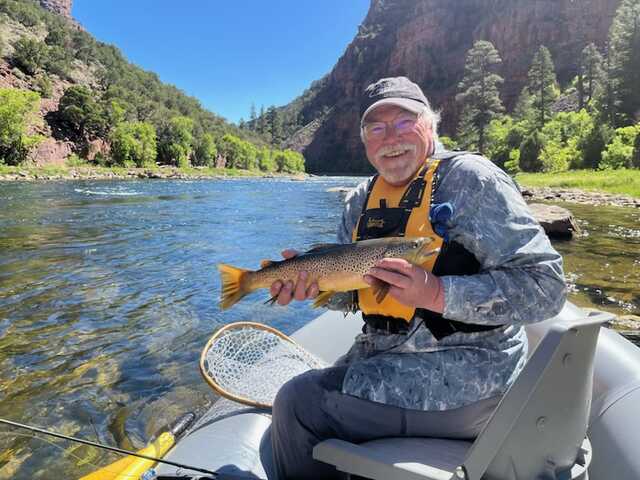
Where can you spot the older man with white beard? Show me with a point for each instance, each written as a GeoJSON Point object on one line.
{"type": "Point", "coordinates": [439, 351]}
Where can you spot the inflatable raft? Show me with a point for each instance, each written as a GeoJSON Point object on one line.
{"type": "Point", "coordinates": [570, 386]}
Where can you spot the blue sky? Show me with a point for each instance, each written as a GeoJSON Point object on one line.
{"type": "Point", "coordinates": [229, 54]}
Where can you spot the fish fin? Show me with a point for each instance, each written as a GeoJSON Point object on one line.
{"type": "Point", "coordinates": [266, 263]}
{"type": "Point", "coordinates": [380, 289]}
{"type": "Point", "coordinates": [323, 298]}
{"type": "Point", "coordinates": [322, 246]}
{"type": "Point", "coordinates": [233, 288]}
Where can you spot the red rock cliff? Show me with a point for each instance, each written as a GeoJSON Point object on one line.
{"type": "Point", "coordinates": [61, 7]}
{"type": "Point", "coordinates": [427, 40]}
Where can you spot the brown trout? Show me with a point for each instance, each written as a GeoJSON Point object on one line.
{"type": "Point", "coordinates": [336, 268]}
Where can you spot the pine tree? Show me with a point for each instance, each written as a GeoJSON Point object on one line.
{"type": "Point", "coordinates": [608, 102]}
{"type": "Point", "coordinates": [274, 122]}
{"type": "Point", "coordinates": [479, 91]}
{"type": "Point", "coordinates": [624, 37]}
{"type": "Point", "coordinates": [590, 75]}
{"type": "Point", "coordinates": [252, 117]}
{"type": "Point", "coordinates": [262, 121]}
{"type": "Point", "coordinates": [542, 84]}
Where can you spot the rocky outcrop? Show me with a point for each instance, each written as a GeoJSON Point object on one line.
{"type": "Point", "coordinates": [61, 7]}
{"type": "Point", "coordinates": [557, 222]}
{"type": "Point", "coordinates": [51, 152]}
{"type": "Point", "coordinates": [427, 40]}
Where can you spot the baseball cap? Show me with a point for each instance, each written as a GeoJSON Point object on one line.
{"type": "Point", "coordinates": [398, 91]}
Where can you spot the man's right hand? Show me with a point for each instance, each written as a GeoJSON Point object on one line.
{"type": "Point", "coordinates": [284, 292]}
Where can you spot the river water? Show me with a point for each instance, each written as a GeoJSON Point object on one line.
{"type": "Point", "coordinates": [108, 293]}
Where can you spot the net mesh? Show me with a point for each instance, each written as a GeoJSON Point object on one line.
{"type": "Point", "coordinates": [252, 364]}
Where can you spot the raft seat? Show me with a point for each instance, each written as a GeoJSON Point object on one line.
{"type": "Point", "coordinates": [537, 431]}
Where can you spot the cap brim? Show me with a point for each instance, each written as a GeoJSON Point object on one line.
{"type": "Point", "coordinates": [406, 103]}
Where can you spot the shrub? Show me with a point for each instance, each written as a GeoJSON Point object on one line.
{"type": "Point", "coordinates": [205, 151]}
{"type": "Point", "coordinates": [82, 114]}
{"type": "Point", "coordinates": [44, 86]}
{"type": "Point", "coordinates": [530, 148]}
{"type": "Point", "coordinates": [17, 108]}
{"type": "Point", "coordinates": [29, 55]}
{"type": "Point", "coordinates": [176, 141]}
{"type": "Point", "coordinates": [619, 153]}
{"type": "Point", "coordinates": [134, 143]}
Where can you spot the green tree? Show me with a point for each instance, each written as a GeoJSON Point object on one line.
{"type": "Point", "coordinates": [176, 141]}
{"type": "Point", "coordinates": [590, 75]}
{"type": "Point", "coordinates": [262, 121]}
{"type": "Point", "coordinates": [542, 85]}
{"type": "Point", "coordinates": [81, 114]}
{"type": "Point", "coordinates": [134, 143]}
{"type": "Point", "coordinates": [252, 117]}
{"type": "Point", "coordinates": [608, 102]}
{"type": "Point", "coordinates": [205, 151]}
{"type": "Point", "coordinates": [17, 109]}
{"type": "Point", "coordinates": [479, 91]}
{"type": "Point", "coordinates": [275, 127]}
{"type": "Point", "coordinates": [289, 161]}
{"type": "Point", "coordinates": [29, 55]}
{"type": "Point", "coordinates": [523, 109]}
{"type": "Point", "coordinates": [565, 136]}
{"type": "Point", "coordinates": [265, 160]}
{"type": "Point", "coordinates": [529, 156]}
{"type": "Point", "coordinates": [504, 135]}
{"type": "Point", "coordinates": [620, 152]}
{"type": "Point", "coordinates": [635, 160]}
{"type": "Point", "coordinates": [624, 37]}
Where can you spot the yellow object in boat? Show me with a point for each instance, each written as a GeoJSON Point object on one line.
{"type": "Point", "coordinates": [131, 468]}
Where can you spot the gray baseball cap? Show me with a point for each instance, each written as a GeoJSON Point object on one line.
{"type": "Point", "coordinates": [398, 91]}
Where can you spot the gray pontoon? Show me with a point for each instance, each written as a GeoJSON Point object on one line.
{"type": "Point", "coordinates": [572, 414]}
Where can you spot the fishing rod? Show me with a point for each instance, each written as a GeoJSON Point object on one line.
{"type": "Point", "coordinates": [180, 426]}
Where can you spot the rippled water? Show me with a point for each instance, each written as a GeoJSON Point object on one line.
{"type": "Point", "coordinates": [108, 292]}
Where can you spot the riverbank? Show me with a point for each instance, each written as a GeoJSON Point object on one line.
{"type": "Point", "coordinates": [91, 172]}
{"type": "Point", "coordinates": [591, 187]}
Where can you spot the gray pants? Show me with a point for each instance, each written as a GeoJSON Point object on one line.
{"type": "Point", "coordinates": [311, 408]}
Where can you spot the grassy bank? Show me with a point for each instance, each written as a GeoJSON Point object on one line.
{"type": "Point", "coordinates": [622, 182]}
{"type": "Point", "coordinates": [77, 170]}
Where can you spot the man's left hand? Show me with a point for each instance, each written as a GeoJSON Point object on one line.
{"type": "Point", "coordinates": [410, 285]}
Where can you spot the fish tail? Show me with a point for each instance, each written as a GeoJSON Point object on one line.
{"type": "Point", "coordinates": [233, 284]}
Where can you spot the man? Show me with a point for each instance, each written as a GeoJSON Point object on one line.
{"type": "Point", "coordinates": [438, 353]}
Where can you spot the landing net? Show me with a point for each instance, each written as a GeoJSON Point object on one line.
{"type": "Point", "coordinates": [248, 362]}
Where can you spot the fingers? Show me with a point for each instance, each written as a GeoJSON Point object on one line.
{"type": "Point", "coordinates": [313, 290]}
{"type": "Point", "coordinates": [286, 291]}
{"type": "Point", "coordinates": [400, 280]}
{"type": "Point", "coordinates": [398, 264]}
{"type": "Point", "coordinates": [300, 292]}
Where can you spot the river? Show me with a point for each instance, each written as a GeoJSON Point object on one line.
{"type": "Point", "coordinates": [109, 289]}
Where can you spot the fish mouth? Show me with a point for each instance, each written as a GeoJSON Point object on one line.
{"type": "Point", "coordinates": [425, 250]}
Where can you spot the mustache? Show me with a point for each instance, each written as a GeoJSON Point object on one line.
{"type": "Point", "coordinates": [392, 148]}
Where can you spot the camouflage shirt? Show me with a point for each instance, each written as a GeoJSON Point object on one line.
{"type": "Point", "coordinates": [520, 282]}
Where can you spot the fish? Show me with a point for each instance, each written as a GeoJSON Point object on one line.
{"type": "Point", "coordinates": [335, 267]}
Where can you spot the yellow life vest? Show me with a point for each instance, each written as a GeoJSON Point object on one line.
{"type": "Point", "coordinates": [397, 211]}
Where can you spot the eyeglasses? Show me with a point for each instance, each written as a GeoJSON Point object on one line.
{"type": "Point", "coordinates": [403, 123]}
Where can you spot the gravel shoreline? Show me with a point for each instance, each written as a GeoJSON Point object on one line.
{"type": "Point", "coordinates": [83, 173]}
{"type": "Point", "coordinates": [574, 195]}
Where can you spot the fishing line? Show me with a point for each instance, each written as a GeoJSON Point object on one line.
{"type": "Point", "coordinates": [64, 451]}
{"type": "Point", "coordinates": [105, 447]}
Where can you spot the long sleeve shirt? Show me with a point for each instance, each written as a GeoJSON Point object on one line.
{"type": "Point", "coordinates": [520, 281]}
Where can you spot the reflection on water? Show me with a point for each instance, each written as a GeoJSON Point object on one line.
{"type": "Point", "coordinates": [108, 293]}
{"type": "Point", "coordinates": [603, 263]}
